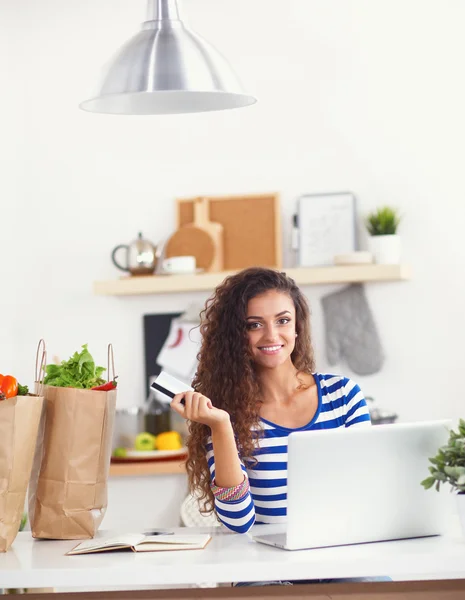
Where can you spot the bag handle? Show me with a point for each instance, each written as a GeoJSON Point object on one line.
{"type": "Point", "coordinates": [40, 367]}
{"type": "Point", "coordinates": [110, 361]}
{"type": "Point", "coordinates": [40, 346]}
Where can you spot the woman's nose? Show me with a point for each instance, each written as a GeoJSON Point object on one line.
{"type": "Point", "coordinates": [271, 331]}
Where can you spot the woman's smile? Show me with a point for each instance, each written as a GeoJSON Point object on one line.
{"type": "Point", "coordinates": [274, 349]}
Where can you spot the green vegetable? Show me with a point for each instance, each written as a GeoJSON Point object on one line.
{"type": "Point", "coordinates": [145, 441]}
{"type": "Point", "coordinates": [23, 390]}
{"type": "Point", "coordinates": [78, 372]}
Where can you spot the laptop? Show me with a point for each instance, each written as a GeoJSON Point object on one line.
{"type": "Point", "coordinates": [360, 485]}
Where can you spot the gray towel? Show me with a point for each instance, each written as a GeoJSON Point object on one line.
{"type": "Point", "coordinates": [351, 333]}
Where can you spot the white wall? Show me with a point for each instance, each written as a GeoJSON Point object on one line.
{"type": "Point", "coordinates": [354, 95]}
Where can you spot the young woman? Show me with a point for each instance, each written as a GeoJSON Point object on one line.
{"type": "Point", "coordinates": [255, 384]}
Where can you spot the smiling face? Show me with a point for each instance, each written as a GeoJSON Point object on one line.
{"type": "Point", "coordinates": [271, 328]}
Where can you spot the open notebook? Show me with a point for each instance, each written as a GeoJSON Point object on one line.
{"type": "Point", "coordinates": [143, 543]}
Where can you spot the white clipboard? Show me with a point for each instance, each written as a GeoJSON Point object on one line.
{"type": "Point", "coordinates": [327, 226]}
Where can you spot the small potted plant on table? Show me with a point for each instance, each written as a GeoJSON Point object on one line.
{"type": "Point", "coordinates": [448, 466]}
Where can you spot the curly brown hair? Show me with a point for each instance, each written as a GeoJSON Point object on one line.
{"type": "Point", "coordinates": [226, 372]}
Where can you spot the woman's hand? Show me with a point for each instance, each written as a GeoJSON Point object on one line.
{"type": "Point", "coordinates": [199, 408]}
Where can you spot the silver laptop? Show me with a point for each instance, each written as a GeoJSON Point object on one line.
{"type": "Point", "coordinates": [362, 485]}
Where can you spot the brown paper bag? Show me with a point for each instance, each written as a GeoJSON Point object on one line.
{"type": "Point", "coordinates": [68, 488]}
{"type": "Point", "coordinates": [19, 422]}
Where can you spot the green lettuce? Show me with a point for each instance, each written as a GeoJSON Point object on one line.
{"type": "Point", "coordinates": [77, 372]}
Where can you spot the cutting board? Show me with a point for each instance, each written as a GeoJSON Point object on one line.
{"type": "Point", "coordinates": [251, 228]}
{"type": "Point", "coordinates": [202, 238]}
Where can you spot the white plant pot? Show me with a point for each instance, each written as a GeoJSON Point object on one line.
{"type": "Point", "coordinates": [386, 249]}
{"type": "Point", "coordinates": [460, 499]}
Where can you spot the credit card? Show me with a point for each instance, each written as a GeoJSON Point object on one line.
{"type": "Point", "coordinates": [169, 385]}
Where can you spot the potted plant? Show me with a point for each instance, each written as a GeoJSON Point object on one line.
{"type": "Point", "coordinates": [384, 241]}
{"type": "Point", "coordinates": [448, 466]}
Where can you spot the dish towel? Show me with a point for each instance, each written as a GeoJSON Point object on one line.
{"type": "Point", "coordinates": [350, 329]}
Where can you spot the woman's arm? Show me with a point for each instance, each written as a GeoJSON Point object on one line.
{"type": "Point", "coordinates": [233, 504]}
{"type": "Point", "coordinates": [228, 470]}
{"type": "Point", "coordinates": [230, 485]}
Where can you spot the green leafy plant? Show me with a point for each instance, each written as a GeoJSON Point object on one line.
{"type": "Point", "coordinates": [448, 466]}
{"type": "Point", "coordinates": [383, 221]}
{"type": "Point", "coordinates": [79, 371]}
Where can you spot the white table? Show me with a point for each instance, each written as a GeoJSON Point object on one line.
{"type": "Point", "coordinates": [234, 557]}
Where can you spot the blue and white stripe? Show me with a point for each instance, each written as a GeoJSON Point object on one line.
{"type": "Point", "coordinates": [340, 404]}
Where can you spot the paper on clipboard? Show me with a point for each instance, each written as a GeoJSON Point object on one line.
{"type": "Point", "coordinates": [326, 227]}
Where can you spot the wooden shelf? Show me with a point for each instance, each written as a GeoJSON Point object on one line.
{"type": "Point", "coordinates": [165, 284]}
{"type": "Point", "coordinates": [167, 467]}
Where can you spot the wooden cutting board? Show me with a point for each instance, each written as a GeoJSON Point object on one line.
{"type": "Point", "coordinates": [202, 238]}
{"type": "Point", "coordinates": [251, 228]}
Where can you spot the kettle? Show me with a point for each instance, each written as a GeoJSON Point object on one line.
{"type": "Point", "coordinates": [140, 259]}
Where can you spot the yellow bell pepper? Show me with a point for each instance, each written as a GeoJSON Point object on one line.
{"type": "Point", "coordinates": [169, 440]}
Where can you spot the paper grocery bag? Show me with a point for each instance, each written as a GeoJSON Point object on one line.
{"type": "Point", "coordinates": [19, 423]}
{"type": "Point", "coordinates": [68, 486]}
{"type": "Point", "coordinates": [68, 489]}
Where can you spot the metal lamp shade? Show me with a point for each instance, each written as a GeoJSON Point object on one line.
{"type": "Point", "coordinates": [167, 69]}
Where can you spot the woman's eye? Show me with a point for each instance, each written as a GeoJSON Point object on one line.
{"type": "Point", "coordinates": [253, 325]}
{"type": "Point", "coordinates": [284, 321]}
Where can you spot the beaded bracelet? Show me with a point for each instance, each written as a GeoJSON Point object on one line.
{"type": "Point", "coordinates": [231, 493]}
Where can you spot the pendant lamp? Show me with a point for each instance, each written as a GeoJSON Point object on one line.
{"type": "Point", "coordinates": [166, 68]}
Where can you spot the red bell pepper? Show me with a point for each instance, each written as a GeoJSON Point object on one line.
{"type": "Point", "coordinates": [8, 386]}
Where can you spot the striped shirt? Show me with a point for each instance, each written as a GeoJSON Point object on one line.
{"type": "Point", "coordinates": [340, 404]}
